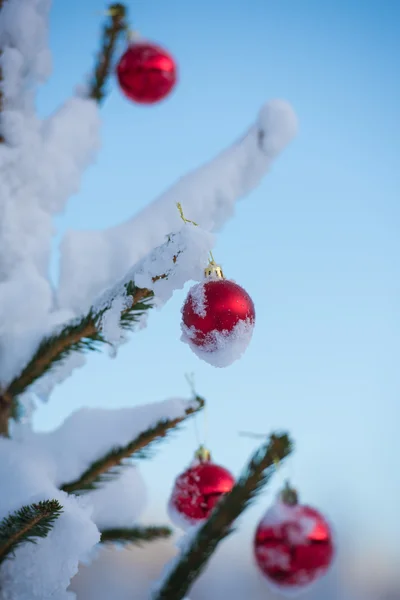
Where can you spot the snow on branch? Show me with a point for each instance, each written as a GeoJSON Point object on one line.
{"type": "Point", "coordinates": [208, 195]}
{"type": "Point", "coordinates": [53, 560]}
{"type": "Point", "coordinates": [80, 335]}
{"type": "Point", "coordinates": [150, 282]}
{"type": "Point", "coordinates": [139, 446]}
{"type": "Point", "coordinates": [202, 541]}
{"type": "Point", "coordinates": [26, 524]}
{"type": "Point", "coordinates": [102, 432]}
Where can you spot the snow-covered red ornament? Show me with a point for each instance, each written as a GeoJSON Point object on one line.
{"type": "Point", "coordinates": [217, 318]}
{"type": "Point", "coordinates": [146, 72]}
{"type": "Point", "coordinates": [197, 491]}
{"type": "Point", "coordinates": [293, 544]}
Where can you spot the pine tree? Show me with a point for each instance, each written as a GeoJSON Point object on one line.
{"type": "Point", "coordinates": [43, 514]}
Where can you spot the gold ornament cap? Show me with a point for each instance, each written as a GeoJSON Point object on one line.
{"type": "Point", "coordinates": [289, 495]}
{"type": "Point", "coordinates": [202, 454]}
{"type": "Point", "coordinates": [214, 271]}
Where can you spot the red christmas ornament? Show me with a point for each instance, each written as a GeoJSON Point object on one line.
{"type": "Point", "coordinates": [293, 544]}
{"type": "Point", "coordinates": [197, 491]}
{"type": "Point", "coordinates": [218, 318]}
{"type": "Point", "coordinates": [146, 73]}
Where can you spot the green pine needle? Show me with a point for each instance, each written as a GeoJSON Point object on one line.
{"type": "Point", "coordinates": [195, 557]}
{"type": "Point", "coordinates": [135, 535]}
{"type": "Point", "coordinates": [140, 447]}
{"type": "Point", "coordinates": [27, 524]}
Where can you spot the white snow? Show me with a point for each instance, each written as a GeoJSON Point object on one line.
{"type": "Point", "coordinates": [40, 167]}
{"type": "Point", "coordinates": [41, 570]}
{"type": "Point", "coordinates": [222, 348]}
{"type": "Point", "coordinates": [199, 300]}
{"type": "Point", "coordinates": [110, 324]}
{"type": "Point", "coordinates": [121, 501]}
{"type": "Point", "coordinates": [179, 519]}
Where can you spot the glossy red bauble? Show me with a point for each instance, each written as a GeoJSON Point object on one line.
{"type": "Point", "coordinates": [293, 546]}
{"type": "Point", "coordinates": [218, 320]}
{"type": "Point", "coordinates": [146, 73]}
{"type": "Point", "coordinates": [216, 305]}
{"type": "Point", "coordinates": [196, 492]}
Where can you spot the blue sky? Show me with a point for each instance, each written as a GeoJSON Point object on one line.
{"type": "Point", "coordinates": [316, 245]}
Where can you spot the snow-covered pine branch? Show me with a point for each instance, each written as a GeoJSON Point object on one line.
{"type": "Point", "coordinates": [208, 195]}
{"type": "Point", "coordinates": [150, 282]}
{"type": "Point", "coordinates": [138, 446]}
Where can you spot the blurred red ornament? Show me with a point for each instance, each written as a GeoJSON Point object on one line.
{"type": "Point", "coordinates": [197, 491]}
{"type": "Point", "coordinates": [146, 73]}
{"type": "Point", "coordinates": [213, 310]}
{"type": "Point", "coordinates": [293, 544]}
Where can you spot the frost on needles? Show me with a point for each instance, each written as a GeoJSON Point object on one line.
{"type": "Point", "coordinates": [66, 492]}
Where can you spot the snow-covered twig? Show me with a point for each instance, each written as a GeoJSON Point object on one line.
{"type": "Point", "coordinates": [180, 576]}
{"type": "Point", "coordinates": [107, 465]}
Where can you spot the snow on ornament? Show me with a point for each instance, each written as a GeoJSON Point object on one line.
{"type": "Point", "coordinates": [146, 72]}
{"type": "Point", "coordinates": [197, 491]}
{"type": "Point", "coordinates": [217, 318]}
{"type": "Point", "coordinates": [293, 544]}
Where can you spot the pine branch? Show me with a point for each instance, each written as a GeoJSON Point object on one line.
{"type": "Point", "coordinates": [135, 535]}
{"type": "Point", "coordinates": [195, 557]}
{"type": "Point", "coordinates": [26, 524]}
{"type": "Point", "coordinates": [111, 33]}
{"type": "Point", "coordinates": [80, 336]}
{"type": "Point", "coordinates": [108, 465]}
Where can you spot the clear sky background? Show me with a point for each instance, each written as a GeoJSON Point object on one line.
{"type": "Point", "coordinates": [316, 245]}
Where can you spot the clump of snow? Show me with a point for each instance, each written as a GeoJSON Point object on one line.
{"type": "Point", "coordinates": [42, 570]}
{"type": "Point", "coordinates": [179, 519]}
{"type": "Point", "coordinates": [208, 195]}
{"type": "Point", "coordinates": [199, 300]}
{"type": "Point", "coordinates": [121, 501]}
{"type": "Point", "coordinates": [110, 322]}
{"type": "Point", "coordinates": [43, 387]}
{"type": "Point", "coordinates": [221, 348]}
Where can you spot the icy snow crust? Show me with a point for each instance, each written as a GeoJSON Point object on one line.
{"type": "Point", "coordinates": [222, 348]}
{"type": "Point", "coordinates": [41, 166]}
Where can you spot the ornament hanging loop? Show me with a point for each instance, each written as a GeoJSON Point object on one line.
{"type": "Point", "coordinates": [184, 219]}
{"type": "Point", "coordinates": [212, 270]}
